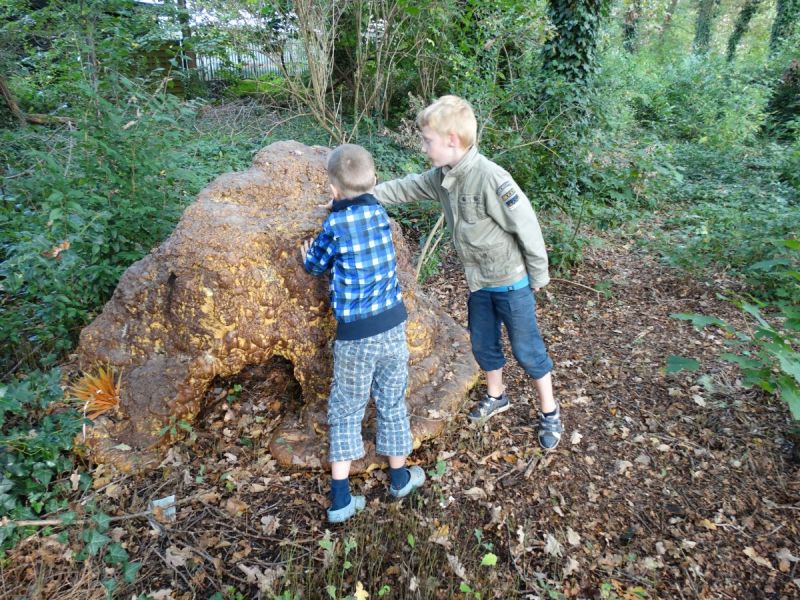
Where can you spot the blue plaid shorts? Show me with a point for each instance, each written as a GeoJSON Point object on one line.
{"type": "Point", "coordinates": [376, 366]}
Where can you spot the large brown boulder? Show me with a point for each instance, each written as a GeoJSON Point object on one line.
{"type": "Point", "coordinates": [227, 290]}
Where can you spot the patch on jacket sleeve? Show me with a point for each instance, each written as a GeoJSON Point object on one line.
{"type": "Point", "coordinates": [507, 192]}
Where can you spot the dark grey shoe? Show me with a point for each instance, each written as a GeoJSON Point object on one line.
{"type": "Point", "coordinates": [550, 430]}
{"type": "Point", "coordinates": [488, 407]}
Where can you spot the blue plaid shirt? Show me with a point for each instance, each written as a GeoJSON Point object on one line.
{"type": "Point", "coordinates": [356, 244]}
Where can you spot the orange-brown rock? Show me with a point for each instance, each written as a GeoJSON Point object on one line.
{"type": "Point", "coordinates": [227, 290]}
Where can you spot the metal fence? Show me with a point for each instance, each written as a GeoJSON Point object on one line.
{"type": "Point", "coordinates": [251, 62]}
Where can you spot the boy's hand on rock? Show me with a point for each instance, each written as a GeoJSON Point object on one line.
{"type": "Point", "coordinates": [304, 247]}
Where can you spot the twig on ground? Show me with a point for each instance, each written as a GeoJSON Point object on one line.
{"type": "Point", "coordinates": [575, 283]}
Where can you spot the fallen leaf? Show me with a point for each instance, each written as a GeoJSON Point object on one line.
{"type": "Point", "coordinates": [361, 593]}
{"type": "Point", "coordinates": [270, 524]}
{"type": "Point", "coordinates": [576, 438]}
{"type": "Point", "coordinates": [476, 493]}
{"type": "Point", "coordinates": [162, 594]}
{"type": "Point", "coordinates": [177, 557]}
{"type": "Point", "coordinates": [571, 566]}
{"type": "Point", "coordinates": [572, 537]}
{"type": "Point", "coordinates": [457, 567]}
{"type": "Point", "coordinates": [785, 554]}
{"type": "Point", "coordinates": [699, 400]}
{"type": "Point", "coordinates": [441, 536]}
{"type": "Point", "coordinates": [623, 465]}
{"type": "Point", "coordinates": [252, 573]}
{"type": "Point", "coordinates": [751, 553]}
{"type": "Point", "coordinates": [708, 525]}
{"type": "Point", "coordinates": [552, 546]}
{"type": "Point", "coordinates": [235, 507]}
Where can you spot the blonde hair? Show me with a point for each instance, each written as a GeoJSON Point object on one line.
{"type": "Point", "coordinates": [351, 170]}
{"type": "Point", "coordinates": [451, 114]}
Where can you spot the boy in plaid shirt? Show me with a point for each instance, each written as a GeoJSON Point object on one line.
{"type": "Point", "coordinates": [370, 354]}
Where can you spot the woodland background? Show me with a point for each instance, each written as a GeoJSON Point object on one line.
{"type": "Point", "coordinates": [668, 127]}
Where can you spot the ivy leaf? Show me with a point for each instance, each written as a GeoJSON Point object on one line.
{"type": "Point", "coordinates": [95, 541]}
{"type": "Point", "coordinates": [130, 571]}
{"type": "Point", "coordinates": [102, 520]}
{"type": "Point", "coordinates": [116, 554]}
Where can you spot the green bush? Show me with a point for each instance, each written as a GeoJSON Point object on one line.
{"type": "Point", "coordinates": [95, 199]}
{"type": "Point", "coordinates": [699, 99]}
{"type": "Point", "coordinates": [272, 88]}
{"type": "Point", "coordinates": [734, 214]}
{"type": "Point", "coordinates": [768, 357]}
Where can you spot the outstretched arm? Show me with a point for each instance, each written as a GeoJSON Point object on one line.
{"type": "Point", "coordinates": [410, 188]}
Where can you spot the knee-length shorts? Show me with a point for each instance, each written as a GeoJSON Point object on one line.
{"type": "Point", "coordinates": [376, 366]}
{"type": "Point", "coordinates": [516, 309]}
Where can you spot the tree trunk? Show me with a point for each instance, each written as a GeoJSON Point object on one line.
{"type": "Point", "coordinates": [784, 105]}
{"type": "Point", "coordinates": [189, 56]}
{"type": "Point", "coordinates": [571, 52]}
{"type": "Point", "coordinates": [787, 14]}
{"type": "Point", "coordinates": [702, 32]}
{"type": "Point", "coordinates": [742, 25]}
{"type": "Point", "coordinates": [25, 118]}
{"type": "Point", "coordinates": [630, 25]}
{"type": "Point", "coordinates": [11, 102]}
{"type": "Point", "coordinates": [667, 23]}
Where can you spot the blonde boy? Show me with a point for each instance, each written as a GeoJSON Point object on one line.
{"type": "Point", "coordinates": [498, 239]}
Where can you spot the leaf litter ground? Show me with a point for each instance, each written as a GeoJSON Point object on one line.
{"type": "Point", "coordinates": [661, 487]}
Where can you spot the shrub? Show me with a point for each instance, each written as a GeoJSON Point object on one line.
{"type": "Point", "coordinates": [699, 99]}
{"type": "Point", "coordinates": [96, 199]}
{"type": "Point", "coordinates": [735, 215]}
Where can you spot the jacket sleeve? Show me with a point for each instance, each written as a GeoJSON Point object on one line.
{"type": "Point", "coordinates": [410, 188]}
{"type": "Point", "coordinates": [322, 251]}
{"type": "Point", "coordinates": [512, 211]}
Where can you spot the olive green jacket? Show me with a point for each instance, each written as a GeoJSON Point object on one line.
{"type": "Point", "coordinates": [495, 230]}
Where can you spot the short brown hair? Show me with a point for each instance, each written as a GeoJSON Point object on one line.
{"type": "Point", "coordinates": [451, 114]}
{"type": "Point", "coordinates": [352, 170]}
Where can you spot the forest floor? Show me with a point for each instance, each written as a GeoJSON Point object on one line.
{"type": "Point", "coordinates": [661, 487]}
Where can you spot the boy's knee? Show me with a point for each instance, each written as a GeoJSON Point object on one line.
{"type": "Point", "coordinates": [536, 367]}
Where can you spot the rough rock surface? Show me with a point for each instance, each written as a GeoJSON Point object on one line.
{"type": "Point", "coordinates": [226, 291]}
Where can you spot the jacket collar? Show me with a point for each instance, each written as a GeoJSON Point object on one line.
{"type": "Point", "coordinates": [362, 200]}
{"type": "Point", "coordinates": [461, 168]}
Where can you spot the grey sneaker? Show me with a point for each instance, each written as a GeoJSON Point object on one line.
{"type": "Point", "coordinates": [415, 480]}
{"type": "Point", "coordinates": [357, 504]}
{"type": "Point", "coordinates": [489, 406]}
{"type": "Point", "coordinates": [550, 430]}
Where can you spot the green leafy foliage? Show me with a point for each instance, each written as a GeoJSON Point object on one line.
{"type": "Point", "coordinates": [769, 354]}
{"type": "Point", "coordinates": [737, 213]}
{"type": "Point", "coordinates": [37, 433]}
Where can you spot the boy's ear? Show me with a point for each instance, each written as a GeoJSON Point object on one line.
{"type": "Point", "coordinates": [453, 140]}
{"type": "Point", "coordinates": [334, 192]}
